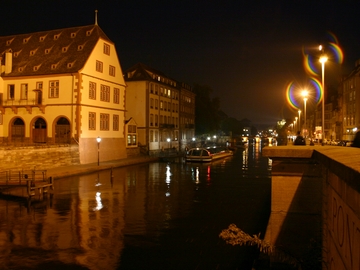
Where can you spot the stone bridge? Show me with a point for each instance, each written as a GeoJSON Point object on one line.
{"type": "Point", "coordinates": [316, 199]}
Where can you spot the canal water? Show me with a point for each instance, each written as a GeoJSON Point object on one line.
{"type": "Point", "coordinates": [165, 215]}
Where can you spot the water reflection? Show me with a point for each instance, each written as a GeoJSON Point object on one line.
{"type": "Point", "coordinates": [153, 216]}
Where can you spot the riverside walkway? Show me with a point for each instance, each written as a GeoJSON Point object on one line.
{"type": "Point", "coordinates": [42, 180]}
{"type": "Point", "coordinates": [65, 171]}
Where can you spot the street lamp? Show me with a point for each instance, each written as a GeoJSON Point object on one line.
{"type": "Point", "coordinates": [98, 139]}
{"type": "Point", "coordinates": [304, 93]}
{"type": "Point", "coordinates": [322, 60]}
{"type": "Point", "coordinates": [297, 125]}
{"type": "Point", "coordinates": [168, 140]}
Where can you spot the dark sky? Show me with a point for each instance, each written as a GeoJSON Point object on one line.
{"type": "Point", "coordinates": [246, 51]}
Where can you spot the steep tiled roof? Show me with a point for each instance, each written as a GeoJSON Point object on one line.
{"type": "Point", "coordinates": [50, 52]}
{"type": "Point", "coordinates": [141, 71]}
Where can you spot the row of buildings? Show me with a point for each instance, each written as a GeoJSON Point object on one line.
{"type": "Point", "coordinates": [342, 111]}
{"type": "Point", "coordinates": [66, 86]}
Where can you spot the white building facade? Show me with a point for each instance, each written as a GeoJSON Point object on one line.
{"type": "Point", "coordinates": [63, 86]}
{"type": "Point", "coordinates": [153, 101]}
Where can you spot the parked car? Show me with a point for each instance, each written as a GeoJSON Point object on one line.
{"type": "Point", "coordinates": [342, 143]}
{"type": "Point", "coordinates": [335, 142]}
{"type": "Point", "coordinates": [349, 143]}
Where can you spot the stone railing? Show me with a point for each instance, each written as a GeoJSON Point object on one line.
{"type": "Point", "coordinates": [316, 199]}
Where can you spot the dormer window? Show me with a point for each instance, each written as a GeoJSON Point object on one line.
{"type": "Point", "coordinates": [64, 49]}
{"type": "Point", "coordinates": [32, 52]}
{"type": "Point", "coordinates": [21, 69]}
{"type": "Point", "coordinates": [47, 51]}
{"type": "Point", "coordinates": [54, 66]}
{"type": "Point", "coordinates": [80, 47]}
{"type": "Point", "coordinates": [25, 40]}
{"type": "Point", "coordinates": [42, 38]}
{"type": "Point", "coordinates": [36, 68]}
{"type": "Point", "coordinates": [8, 42]}
{"type": "Point", "coordinates": [70, 65]}
{"type": "Point", "coordinates": [56, 37]}
{"type": "Point", "coordinates": [73, 35]}
{"type": "Point", "coordinates": [88, 33]}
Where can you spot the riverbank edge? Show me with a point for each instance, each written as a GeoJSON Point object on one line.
{"type": "Point", "coordinates": [73, 170]}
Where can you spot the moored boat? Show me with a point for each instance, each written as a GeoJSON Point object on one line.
{"type": "Point", "coordinates": [206, 154]}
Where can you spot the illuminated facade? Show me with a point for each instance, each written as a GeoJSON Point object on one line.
{"type": "Point", "coordinates": [63, 86]}
{"type": "Point", "coordinates": [350, 103]}
{"type": "Point", "coordinates": [163, 109]}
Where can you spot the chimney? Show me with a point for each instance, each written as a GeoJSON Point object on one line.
{"type": "Point", "coordinates": [8, 62]}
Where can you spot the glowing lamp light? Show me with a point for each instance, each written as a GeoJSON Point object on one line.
{"type": "Point", "coordinates": [323, 59]}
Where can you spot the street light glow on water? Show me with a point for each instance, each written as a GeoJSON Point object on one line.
{"type": "Point", "coordinates": [148, 216]}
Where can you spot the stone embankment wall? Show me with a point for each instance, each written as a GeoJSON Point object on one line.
{"type": "Point", "coordinates": [316, 197]}
{"type": "Point", "coordinates": [40, 157]}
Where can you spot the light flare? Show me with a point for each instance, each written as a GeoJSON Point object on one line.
{"type": "Point", "coordinates": [319, 93]}
{"type": "Point", "coordinates": [309, 65]}
{"type": "Point", "coordinates": [290, 96]}
{"type": "Point", "coordinates": [337, 53]}
{"type": "Point", "coordinates": [293, 93]}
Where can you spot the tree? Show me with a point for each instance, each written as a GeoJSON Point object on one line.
{"type": "Point", "coordinates": [206, 110]}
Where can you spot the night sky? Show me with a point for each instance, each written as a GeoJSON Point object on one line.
{"type": "Point", "coordinates": [246, 51]}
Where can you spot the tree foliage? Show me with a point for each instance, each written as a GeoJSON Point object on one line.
{"type": "Point", "coordinates": [206, 110]}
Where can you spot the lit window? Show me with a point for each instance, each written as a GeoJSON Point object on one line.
{"type": "Point", "coordinates": [112, 71]}
{"type": "Point", "coordinates": [151, 120]}
{"type": "Point", "coordinates": [106, 49]}
{"type": "Point", "coordinates": [105, 93]}
{"type": "Point", "coordinates": [92, 121]}
{"type": "Point", "coordinates": [104, 121]}
{"type": "Point", "coordinates": [99, 66]}
{"type": "Point", "coordinates": [116, 122]}
{"type": "Point", "coordinates": [53, 89]}
{"type": "Point", "coordinates": [24, 91]}
{"type": "Point", "coordinates": [92, 90]}
{"type": "Point", "coordinates": [116, 95]}
{"type": "Point", "coordinates": [11, 91]}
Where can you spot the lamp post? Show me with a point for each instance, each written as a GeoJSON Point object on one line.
{"type": "Point", "coordinates": [322, 60]}
{"type": "Point", "coordinates": [304, 93]}
{"type": "Point", "coordinates": [299, 111]}
{"type": "Point", "coordinates": [98, 139]}
{"type": "Point", "coordinates": [297, 125]}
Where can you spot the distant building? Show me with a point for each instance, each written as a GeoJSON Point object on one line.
{"type": "Point", "coordinates": [187, 116]}
{"type": "Point", "coordinates": [63, 86]}
{"type": "Point", "coordinates": [163, 109]}
{"type": "Point", "coordinates": [350, 103]}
